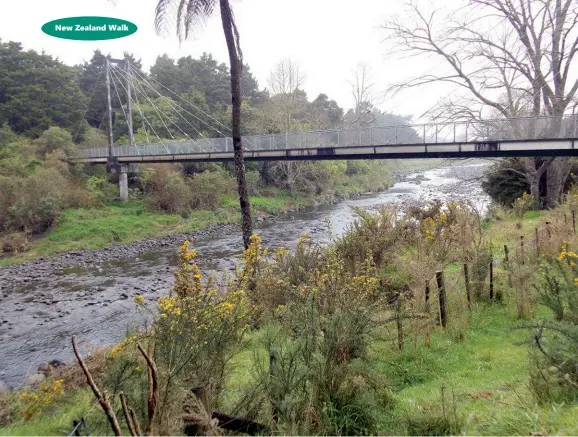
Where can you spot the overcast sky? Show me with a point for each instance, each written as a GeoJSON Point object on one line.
{"type": "Point", "coordinates": [326, 37]}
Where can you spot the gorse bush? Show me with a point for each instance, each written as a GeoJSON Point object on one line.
{"type": "Point", "coordinates": [33, 204]}
{"type": "Point", "coordinates": [554, 349]}
{"type": "Point", "coordinates": [199, 327]}
{"type": "Point", "coordinates": [315, 379]}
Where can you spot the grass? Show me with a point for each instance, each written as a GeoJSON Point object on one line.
{"type": "Point", "coordinates": [97, 228]}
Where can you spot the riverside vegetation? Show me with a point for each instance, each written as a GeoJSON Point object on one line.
{"type": "Point", "coordinates": [75, 210]}
{"type": "Point", "coordinates": [378, 333]}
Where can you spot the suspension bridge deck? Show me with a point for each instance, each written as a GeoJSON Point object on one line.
{"type": "Point", "coordinates": [533, 136]}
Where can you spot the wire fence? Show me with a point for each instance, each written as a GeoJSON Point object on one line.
{"type": "Point", "coordinates": [511, 129]}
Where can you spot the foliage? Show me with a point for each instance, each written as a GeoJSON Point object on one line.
{"type": "Point", "coordinates": [34, 402]}
{"type": "Point", "coordinates": [33, 205]}
{"type": "Point", "coordinates": [316, 378]}
{"type": "Point", "coordinates": [198, 329]}
{"type": "Point", "coordinates": [555, 344]}
{"type": "Point", "coordinates": [54, 138]}
{"type": "Point", "coordinates": [15, 242]}
{"type": "Point", "coordinates": [37, 91]}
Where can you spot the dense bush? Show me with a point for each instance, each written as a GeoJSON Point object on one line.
{"type": "Point", "coordinates": [33, 204]}
{"type": "Point", "coordinates": [554, 349]}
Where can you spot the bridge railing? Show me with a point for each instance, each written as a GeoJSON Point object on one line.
{"type": "Point", "coordinates": [523, 128]}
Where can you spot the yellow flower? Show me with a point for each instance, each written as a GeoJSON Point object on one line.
{"type": "Point", "coordinates": [139, 299]}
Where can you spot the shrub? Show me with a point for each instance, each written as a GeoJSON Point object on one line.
{"type": "Point", "coordinates": [168, 191]}
{"type": "Point", "coordinates": [208, 187]}
{"type": "Point", "coordinates": [15, 242]}
{"type": "Point", "coordinates": [554, 351]}
{"type": "Point", "coordinates": [55, 138]}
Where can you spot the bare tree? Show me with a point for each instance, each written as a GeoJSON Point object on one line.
{"type": "Point", "coordinates": [286, 77]}
{"type": "Point", "coordinates": [188, 13]}
{"type": "Point", "coordinates": [510, 57]}
{"type": "Point", "coordinates": [362, 86]}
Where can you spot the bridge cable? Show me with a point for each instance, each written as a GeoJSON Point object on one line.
{"type": "Point", "coordinates": [182, 98]}
{"type": "Point", "coordinates": [174, 103]}
{"type": "Point", "coordinates": [146, 81]}
{"type": "Point", "coordinates": [150, 125]}
{"type": "Point", "coordinates": [171, 121]}
{"type": "Point", "coordinates": [171, 102]}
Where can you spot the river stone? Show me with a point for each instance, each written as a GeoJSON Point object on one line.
{"type": "Point", "coordinates": [3, 388]}
{"type": "Point", "coordinates": [34, 379]}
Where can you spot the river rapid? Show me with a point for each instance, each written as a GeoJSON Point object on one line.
{"type": "Point", "coordinates": [91, 294]}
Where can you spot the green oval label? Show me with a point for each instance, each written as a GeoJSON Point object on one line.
{"type": "Point", "coordinates": [89, 28]}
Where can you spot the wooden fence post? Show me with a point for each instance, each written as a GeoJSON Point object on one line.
{"type": "Point", "coordinates": [467, 281]}
{"type": "Point", "coordinates": [507, 261]}
{"type": "Point", "coordinates": [441, 297]}
{"type": "Point", "coordinates": [522, 248]}
{"type": "Point", "coordinates": [491, 278]}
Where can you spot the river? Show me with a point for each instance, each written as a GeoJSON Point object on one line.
{"type": "Point", "coordinates": [95, 302]}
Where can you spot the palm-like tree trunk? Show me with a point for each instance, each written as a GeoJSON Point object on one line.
{"type": "Point", "coordinates": [236, 61]}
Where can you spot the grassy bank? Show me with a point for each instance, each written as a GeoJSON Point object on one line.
{"type": "Point", "coordinates": [478, 362]}
{"type": "Point", "coordinates": [97, 228]}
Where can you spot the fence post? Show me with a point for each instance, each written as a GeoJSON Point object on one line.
{"type": "Point", "coordinates": [491, 277]}
{"type": "Point", "coordinates": [396, 134]}
{"type": "Point", "coordinates": [522, 248]}
{"type": "Point", "coordinates": [507, 261]}
{"type": "Point", "coordinates": [424, 140]}
{"type": "Point", "coordinates": [466, 140]}
{"type": "Point", "coordinates": [548, 230]}
{"type": "Point", "coordinates": [454, 132]}
{"type": "Point", "coordinates": [537, 244]}
{"type": "Point", "coordinates": [467, 281]}
{"type": "Point", "coordinates": [441, 297]}
{"type": "Point", "coordinates": [436, 133]}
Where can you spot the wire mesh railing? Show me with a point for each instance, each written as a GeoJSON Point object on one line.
{"type": "Point", "coordinates": [510, 129]}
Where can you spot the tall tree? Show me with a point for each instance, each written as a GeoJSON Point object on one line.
{"type": "Point", "coordinates": [37, 91]}
{"type": "Point", "coordinates": [362, 86]}
{"type": "Point", "coordinates": [190, 12]}
{"type": "Point", "coordinates": [522, 48]}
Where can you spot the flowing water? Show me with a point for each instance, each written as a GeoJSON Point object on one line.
{"type": "Point", "coordinates": [97, 303]}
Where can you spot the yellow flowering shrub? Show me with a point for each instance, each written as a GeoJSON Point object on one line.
{"type": "Point", "coordinates": [34, 402]}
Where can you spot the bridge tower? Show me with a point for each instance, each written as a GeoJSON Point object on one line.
{"type": "Point", "coordinates": [112, 163]}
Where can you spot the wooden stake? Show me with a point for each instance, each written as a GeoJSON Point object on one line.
{"type": "Point", "coordinates": [522, 248]}
{"type": "Point", "coordinates": [441, 297]}
{"type": "Point", "coordinates": [467, 282]}
{"type": "Point", "coordinates": [507, 261]}
{"type": "Point", "coordinates": [491, 278]}
{"type": "Point", "coordinates": [102, 398]}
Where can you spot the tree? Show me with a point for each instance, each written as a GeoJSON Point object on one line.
{"type": "Point", "coordinates": [37, 91]}
{"type": "Point", "coordinates": [362, 86]}
{"type": "Point", "coordinates": [286, 77]}
{"type": "Point", "coordinates": [191, 12]}
{"type": "Point", "coordinates": [528, 53]}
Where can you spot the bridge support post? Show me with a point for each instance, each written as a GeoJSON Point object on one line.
{"type": "Point", "coordinates": [123, 183]}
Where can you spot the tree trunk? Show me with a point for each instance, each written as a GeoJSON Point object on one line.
{"type": "Point", "coordinates": [556, 176]}
{"type": "Point", "coordinates": [235, 58]}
